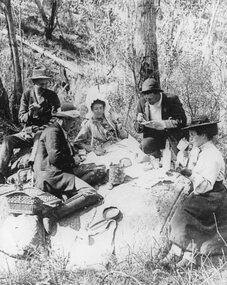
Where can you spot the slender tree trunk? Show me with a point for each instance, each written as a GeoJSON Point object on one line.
{"type": "Point", "coordinates": [18, 89]}
{"type": "Point", "coordinates": [207, 49]}
{"type": "Point", "coordinates": [49, 23]}
{"type": "Point", "coordinates": [4, 103]}
{"type": "Point", "coordinates": [145, 40]}
{"type": "Point", "coordinates": [21, 46]}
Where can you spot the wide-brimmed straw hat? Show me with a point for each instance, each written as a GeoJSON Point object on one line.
{"type": "Point", "coordinates": [67, 114]}
{"type": "Point", "coordinates": [199, 122]}
{"type": "Point", "coordinates": [150, 85]}
{"type": "Point", "coordinates": [68, 111]}
{"type": "Point", "coordinates": [39, 73]}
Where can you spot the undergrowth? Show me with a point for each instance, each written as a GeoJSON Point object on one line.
{"type": "Point", "coordinates": [134, 269]}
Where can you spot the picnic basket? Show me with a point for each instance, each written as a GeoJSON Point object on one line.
{"type": "Point", "coordinates": [21, 203]}
{"type": "Point", "coordinates": [50, 200]}
{"type": "Point", "coordinates": [116, 174]}
{"type": "Point", "coordinates": [47, 198]}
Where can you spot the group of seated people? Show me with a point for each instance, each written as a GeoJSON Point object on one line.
{"type": "Point", "coordinates": [158, 117]}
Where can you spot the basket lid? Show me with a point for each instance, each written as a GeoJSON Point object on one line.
{"type": "Point", "coordinates": [21, 197]}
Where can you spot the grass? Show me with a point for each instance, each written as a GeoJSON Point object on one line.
{"type": "Point", "coordinates": [134, 270]}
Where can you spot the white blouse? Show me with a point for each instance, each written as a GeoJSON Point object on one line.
{"type": "Point", "coordinates": [210, 167]}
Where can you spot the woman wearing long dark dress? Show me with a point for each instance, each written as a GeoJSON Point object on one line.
{"type": "Point", "coordinates": [199, 225]}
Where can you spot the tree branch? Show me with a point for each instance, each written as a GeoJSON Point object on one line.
{"type": "Point", "coordinates": [71, 66]}
{"type": "Point", "coordinates": [42, 12]}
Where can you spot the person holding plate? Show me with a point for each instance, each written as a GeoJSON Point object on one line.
{"type": "Point", "coordinates": [158, 117]}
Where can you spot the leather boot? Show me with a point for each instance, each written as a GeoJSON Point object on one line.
{"type": "Point", "coordinates": [76, 203]}
{"type": "Point", "coordinates": [49, 224]}
{"type": "Point", "coordinates": [50, 220]}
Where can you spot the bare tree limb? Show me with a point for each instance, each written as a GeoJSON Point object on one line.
{"type": "Point", "coordinates": [207, 44]}
{"type": "Point", "coordinates": [71, 66]}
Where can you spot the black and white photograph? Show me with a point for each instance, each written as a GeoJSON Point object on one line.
{"type": "Point", "coordinates": [113, 142]}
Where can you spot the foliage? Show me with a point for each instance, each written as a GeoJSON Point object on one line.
{"type": "Point", "coordinates": [136, 269]}
{"type": "Point", "coordinates": [99, 36]}
{"type": "Point", "coordinates": [195, 89]}
{"type": "Point", "coordinates": [192, 54]}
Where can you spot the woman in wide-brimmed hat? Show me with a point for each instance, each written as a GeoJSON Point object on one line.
{"type": "Point", "coordinates": [193, 228]}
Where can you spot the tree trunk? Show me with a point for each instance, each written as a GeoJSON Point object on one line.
{"type": "Point", "coordinates": [49, 23]}
{"type": "Point", "coordinates": [18, 88]}
{"type": "Point", "coordinates": [4, 103]}
{"type": "Point", "coordinates": [145, 40]}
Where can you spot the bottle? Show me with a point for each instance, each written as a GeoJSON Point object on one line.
{"type": "Point", "coordinates": [166, 160]}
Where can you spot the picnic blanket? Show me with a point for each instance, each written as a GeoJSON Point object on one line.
{"type": "Point", "coordinates": [129, 148]}
{"type": "Point", "coordinates": [145, 201]}
{"type": "Point", "coordinates": [146, 204]}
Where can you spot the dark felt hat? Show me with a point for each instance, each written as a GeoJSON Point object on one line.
{"type": "Point", "coordinates": [149, 85]}
{"type": "Point", "coordinates": [199, 122]}
{"type": "Point", "coordinates": [39, 73]}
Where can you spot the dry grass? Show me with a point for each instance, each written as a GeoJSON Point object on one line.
{"type": "Point", "coordinates": [133, 270]}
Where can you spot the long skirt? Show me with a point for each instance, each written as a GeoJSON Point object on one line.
{"type": "Point", "coordinates": [200, 222]}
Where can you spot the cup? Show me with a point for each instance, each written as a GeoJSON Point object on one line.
{"type": "Point", "coordinates": [183, 144]}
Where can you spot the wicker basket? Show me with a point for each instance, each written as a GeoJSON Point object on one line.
{"type": "Point", "coordinates": [6, 189]}
{"type": "Point", "coordinates": [50, 200]}
{"type": "Point", "coordinates": [21, 203]}
{"type": "Point", "coordinates": [32, 191]}
{"type": "Point", "coordinates": [47, 198]}
{"type": "Point", "coordinates": [116, 174]}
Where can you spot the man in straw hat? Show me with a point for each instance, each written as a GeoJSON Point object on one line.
{"type": "Point", "coordinates": [193, 228]}
{"type": "Point", "coordinates": [158, 117]}
{"type": "Point", "coordinates": [55, 162]}
{"type": "Point", "coordinates": [36, 107]}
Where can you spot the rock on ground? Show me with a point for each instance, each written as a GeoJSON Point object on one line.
{"type": "Point", "coordinates": [21, 235]}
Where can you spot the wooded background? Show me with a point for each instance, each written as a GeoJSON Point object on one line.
{"type": "Point", "coordinates": [117, 44]}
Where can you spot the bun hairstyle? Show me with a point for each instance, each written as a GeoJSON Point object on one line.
{"type": "Point", "coordinates": [202, 125]}
{"type": "Point", "coordinates": [210, 131]}
{"type": "Point", "coordinates": [97, 102]}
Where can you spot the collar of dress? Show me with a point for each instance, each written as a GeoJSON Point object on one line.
{"type": "Point", "coordinates": [206, 145]}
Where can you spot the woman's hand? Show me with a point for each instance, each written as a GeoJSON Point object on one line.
{"type": "Point", "coordinates": [77, 159]}
{"type": "Point", "coordinates": [186, 172]}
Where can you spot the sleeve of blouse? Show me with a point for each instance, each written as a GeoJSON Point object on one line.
{"type": "Point", "coordinates": [205, 174]}
{"type": "Point", "coordinates": [121, 132]}
{"type": "Point", "coordinates": [84, 134]}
